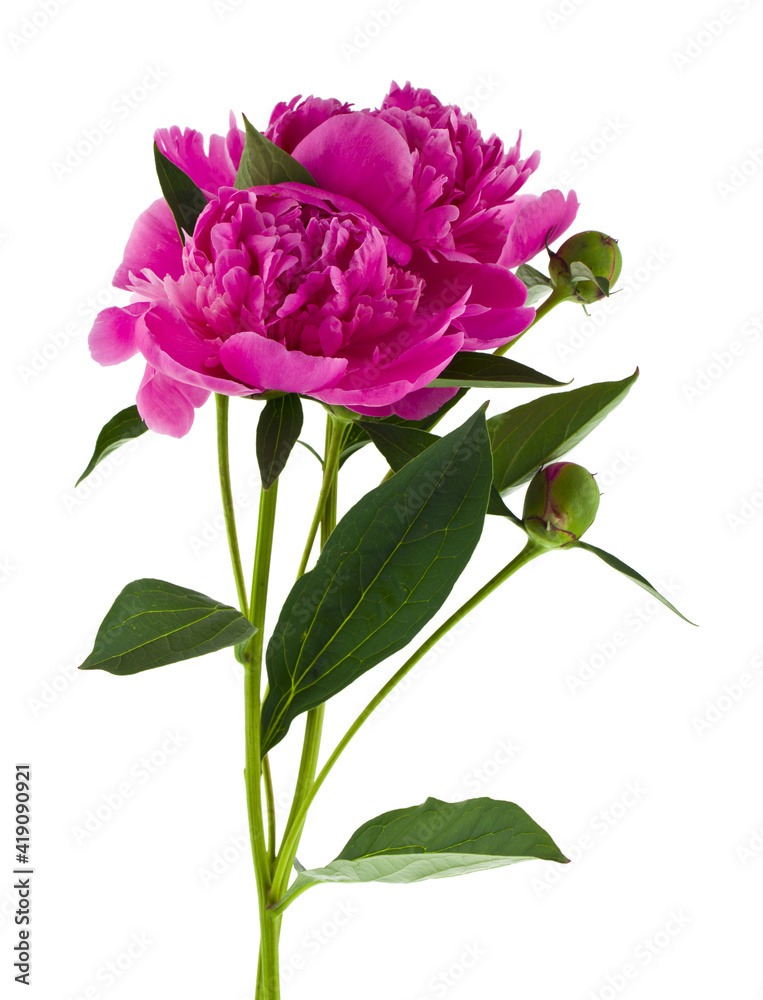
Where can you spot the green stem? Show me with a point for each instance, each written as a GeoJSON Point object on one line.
{"type": "Point", "coordinates": [223, 462]}
{"type": "Point", "coordinates": [289, 847]}
{"type": "Point", "coordinates": [268, 974]}
{"type": "Point", "coordinates": [545, 307]}
{"type": "Point", "coordinates": [325, 517]}
{"type": "Point", "coordinates": [334, 432]}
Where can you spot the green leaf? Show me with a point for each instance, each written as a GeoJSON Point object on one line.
{"type": "Point", "coordinates": [538, 285]}
{"type": "Point", "coordinates": [626, 570]}
{"type": "Point", "coordinates": [527, 437]}
{"type": "Point", "coordinates": [153, 623]}
{"type": "Point", "coordinates": [355, 438]}
{"type": "Point", "coordinates": [385, 571]}
{"type": "Point", "coordinates": [278, 428]}
{"type": "Point", "coordinates": [185, 199]}
{"type": "Point", "coordinates": [490, 371]}
{"type": "Point", "coordinates": [399, 444]}
{"type": "Point", "coordinates": [262, 162]}
{"type": "Point", "coordinates": [436, 840]}
{"type": "Point", "coordinates": [125, 426]}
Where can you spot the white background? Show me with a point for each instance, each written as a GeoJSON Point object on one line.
{"type": "Point", "coordinates": [649, 111]}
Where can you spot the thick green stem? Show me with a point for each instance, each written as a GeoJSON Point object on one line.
{"type": "Point", "coordinates": [223, 462]}
{"type": "Point", "coordinates": [289, 847]}
{"type": "Point", "coordinates": [268, 975]}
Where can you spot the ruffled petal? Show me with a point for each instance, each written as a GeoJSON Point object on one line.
{"type": "Point", "coordinates": [209, 171]}
{"type": "Point", "coordinates": [166, 405]}
{"type": "Point", "coordinates": [113, 338]}
{"type": "Point", "coordinates": [267, 364]}
{"type": "Point", "coordinates": [537, 221]}
{"type": "Point", "coordinates": [174, 349]}
{"type": "Point", "coordinates": [154, 244]}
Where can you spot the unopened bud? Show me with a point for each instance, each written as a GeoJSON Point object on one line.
{"type": "Point", "coordinates": [586, 266]}
{"type": "Point", "coordinates": [560, 504]}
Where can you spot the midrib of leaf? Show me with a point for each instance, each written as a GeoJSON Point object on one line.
{"type": "Point", "coordinates": [294, 680]}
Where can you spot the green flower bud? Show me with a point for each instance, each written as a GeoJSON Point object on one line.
{"type": "Point", "coordinates": [586, 266]}
{"type": "Point", "coordinates": [560, 504]}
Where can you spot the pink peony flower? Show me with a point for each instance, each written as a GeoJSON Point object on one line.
{"type": "Point", "coordinates": [431, 206]}
{"type": "Point", "coordinates": [278, 290]}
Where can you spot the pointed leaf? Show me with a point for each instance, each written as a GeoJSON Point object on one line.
{"type": "Point", "coordinates": [490, 371]}
{"type": "Point", "coordinates": [436, 840]}
{"type": "Point", "coordinates": [626, 570]}
{"type": "Point", "coordinates": [185, 199]}
{"type": "Point", "coordinates": [125, 426]}
{"type": "Point", "coordinates": [385, 571]}
{"type": "Point", "coordinates": [525, 438]}
{"type": "Point", "coordinates": [153, 623]}
{"type": "Point", "coordinates": [278, 428]}
{"type": "Point", "coordinates": [262, 162]}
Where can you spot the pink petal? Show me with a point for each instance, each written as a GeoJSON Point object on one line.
{"type": "Point", "coordinates": [414, 406]}
{"type": "Point", "coordinates": [267, 364]}
{"type": "Point", "coordinates": [174, 349]}
{"type": "Point", "coordinates": [365, 159]}
{"type": "Point", "coordinates": [113, 338]}
{"type": "Point", "coordinates": [209, 171]}
{"type": "Point", "coordinates": [538, 221]}
{"type": "Point", "coordinates": [154, 243]}
{"type": "Point", "coordinates": [168, 406]}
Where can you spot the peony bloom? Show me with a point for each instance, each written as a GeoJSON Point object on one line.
{"type": "Point", "coordinates": [278, 290]}
{"type": "Point", "coordinates": [410, 192]}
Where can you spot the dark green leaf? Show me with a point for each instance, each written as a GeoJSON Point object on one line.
{"type": "Point", "coordinates": [153, 623]}
{"type": "Point", "coordinates": [279, 427]}
{"type": "Point", "coordinates": [525, 438]}
{"type": "Point", "coordinates": [262, 162]}
{"type": "Point", "coordinates": [621, 567]}
{"type": "Point", "coordinates": [354, 439]}
{"type": "Point", "coordinates": [125, 426]}
{"type": "Point", "coordinates": [490, 371]}
{"type": "Point", "coordinates": [312, 451]}
{"type": "Point", "coordinates": [399, 444]}
{"type": "Point", "coordinates": [436, 840]}
{"type": "Point", "coordinates": [538, 285]}
{"type": "Point", "coordinates": [185, 199]}
{"type": "Point", "coordinates": [386, 569]}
